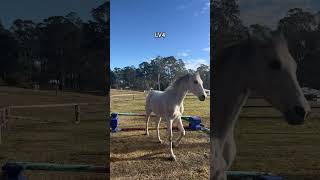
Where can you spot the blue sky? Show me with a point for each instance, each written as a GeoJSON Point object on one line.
{"type": "Point", "coordinates": [134, 22]}
{"type": "Point", "coordinates": [37, 10]}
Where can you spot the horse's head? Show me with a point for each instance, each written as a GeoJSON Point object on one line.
{"type": "Point", "coordinates": [273, 74]}
{"type": "Point", "coordinates": [195, 86]}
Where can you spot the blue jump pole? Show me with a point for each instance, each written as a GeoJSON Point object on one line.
{"type": "Point", "coordinates": [251, 175]}
{"type": "Point", "coordinates": [194, 122]}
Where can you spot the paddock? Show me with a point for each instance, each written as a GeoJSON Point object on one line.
{"type": "Point", "coordinates": [265, 142]}
{"type": "Point", "coordinates": [138, 156]}
{"type": "Point", "coordinates": [48, 131]}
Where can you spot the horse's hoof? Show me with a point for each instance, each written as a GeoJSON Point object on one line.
{"type": "Point", "coordinates": [173, 158]}
{"type": "Point", "coordinates": [160, 142]}
{"type": "Point", "coordinates": [147, 134]}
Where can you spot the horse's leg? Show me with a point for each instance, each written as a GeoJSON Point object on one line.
{"type": "Point", "coordinates": [169, 129]}
{"type": "Point", "coordinates": [147, 122]}
{"type": "Point", "coordinates": [222, 157]}
{"type": "Point", "coordinates": [229, 149]}
{"type": "Point", "coordinates": [218, 164]}
{"type": "Point", "coordinates": [158, 127]}
{"type": "Point", "coordinates": [182, 132]}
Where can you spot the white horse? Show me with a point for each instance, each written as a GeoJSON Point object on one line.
{"type": "Point", "coordinates": [263, 64]}
{"type": "Point", "coordinates": [168, 104]}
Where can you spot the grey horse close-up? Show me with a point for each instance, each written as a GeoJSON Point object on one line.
{"type": "Point", "coordinates": [262, 64]}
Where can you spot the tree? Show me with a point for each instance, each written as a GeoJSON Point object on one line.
{"type": "Point", "coordinates": [226, 25]}
{"type": "Point", "coordinates": [297, 26]}
{"type": "Point", "coordinates": [145, 76]}
{"type": "Point", "coordinates": [204, 72]}
{"type": "Point", "coordinates": [9, 49]}
{"type": "Point", "coordinates": [309, 70]}
{"type": "Point", "coordinates": [60, 49]}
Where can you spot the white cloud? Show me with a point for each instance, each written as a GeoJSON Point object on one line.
{"type": "Point", "coordinates": [181, 7]}
{"type": "Point", "coordinates": [195, 63]}
{"type": "Point", "coordinates": [185, 53]}
{"type": "Point", "coordinates": [207, 49]}
{"type": "Point", "coordinates": [205, 8]}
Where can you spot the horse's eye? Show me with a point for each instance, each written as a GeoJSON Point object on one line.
{"type": "Point", "coordinates": [196, 82]}
{"type": "Point", "coordinates": [275, 65]}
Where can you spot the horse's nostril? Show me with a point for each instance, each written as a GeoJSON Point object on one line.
{"type": "Point", "coordinates": [300, 111]}
{"type": "Point", "coordinates": [202, 97]}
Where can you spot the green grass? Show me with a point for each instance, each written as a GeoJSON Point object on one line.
{"type": "Point", "coordinates": [51, 136]}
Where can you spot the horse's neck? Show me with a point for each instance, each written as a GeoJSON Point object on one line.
{"type": "Point", "coordinates": [177, 94]}
{"type": "Point", "coordinates": [230, 95]}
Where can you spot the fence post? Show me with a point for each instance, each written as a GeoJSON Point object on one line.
{"type": "Point", "coordinates": [7, 115]}
{"type": "Point", "coordinates": [8, 111]}
{"type": "Point", "coordinates": [0, 133]}
{"type": "Point", "coordinates": [77, 113]}
{"type": "Point", "coordinates": [1, 123]}
{"type": "Point", "coordinates": [2, 116]}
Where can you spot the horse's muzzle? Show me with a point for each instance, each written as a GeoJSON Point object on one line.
{"type": "Point", "coordinates": [296, 116]}
{"type": "Point", "coordinates": [202, 97]}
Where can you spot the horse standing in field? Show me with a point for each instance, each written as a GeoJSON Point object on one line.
{"type": "Point", "coordinates": [263, 64]}
{"type": "Point", "coordinates": [168, 104]}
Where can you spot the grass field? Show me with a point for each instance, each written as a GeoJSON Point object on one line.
{"type": "Point", "coordinates": [136, 156]}
{"type": "Point", "coordinates": [271, 145]}
{"type": "Point", "coordinates": [263, 144]}
{"type": "Point", "coordinates": [51, 136]}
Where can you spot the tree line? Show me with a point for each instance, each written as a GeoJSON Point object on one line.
{"type": "Point", "coordinates": [156, 74]}
{"type": "Point", "coordinates": [60, 50]}
{"type": "Point", "coordinates": [300, 27]}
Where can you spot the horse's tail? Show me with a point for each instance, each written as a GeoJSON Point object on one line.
{"type": "Point", "coordinates": [148, 106]}
{"type": "Point", "coordinates": [148, 110]}
{"type": "Point", "coordinates": [148, 98]}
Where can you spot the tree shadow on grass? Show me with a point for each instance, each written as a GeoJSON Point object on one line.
{"type": "Point", "coordinates": [150, 156]}
{"type": "Point", "coordinates": [130, 145]}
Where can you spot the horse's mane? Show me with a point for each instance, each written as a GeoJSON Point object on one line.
{"type": "Point", "coordinates": [242, 49]}
{"type": "Point", "coordinates": [178, 81]}
{"type": "Point", "coordinates": [221, 59]}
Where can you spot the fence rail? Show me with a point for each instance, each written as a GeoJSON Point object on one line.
{"type": "Point", "coordinates": [9, 166]}
{"type": "Point", "coordinates": [53, 105]}
{"type": "Point", "coordinates": [5, 112]}
{"type": "Point", "coordinates": [259, 102]}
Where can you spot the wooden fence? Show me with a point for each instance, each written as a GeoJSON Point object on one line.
{"type": "Point", "coordinates": [260, 103]}
{"type": "Point", "coordinates": [4, 119]}
{"type": "Point", "coordinates": [5, 114]}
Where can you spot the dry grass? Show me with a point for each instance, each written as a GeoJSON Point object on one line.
{"type": "Point", "coordinates": [271, 145]}
{"type": "Point", "coordinates": [51, 136]}
{"type": "Point", "coordinates": [136, 156]}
